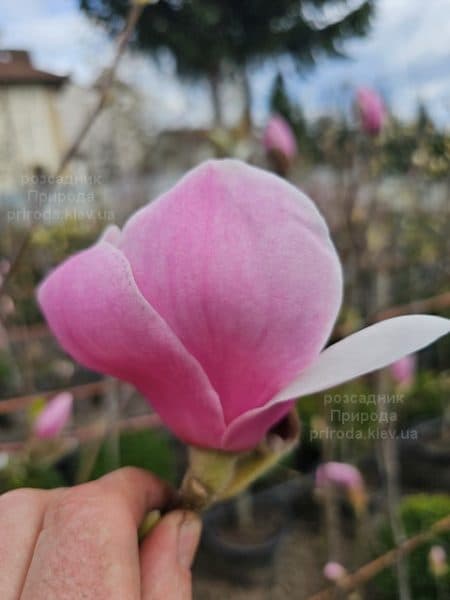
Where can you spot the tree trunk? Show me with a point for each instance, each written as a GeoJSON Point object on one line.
{"type": "Point", "coordinates": [247, 93]}
{"type": "Point", "coordinates": [214, 83]}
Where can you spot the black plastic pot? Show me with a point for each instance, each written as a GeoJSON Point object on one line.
{"type": "Point", "coordinates": [238, 560]}
{"type": "Point", "coordinates": [425, 461]}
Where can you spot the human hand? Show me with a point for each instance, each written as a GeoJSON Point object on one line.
{"type": "Point", "coordinates": [82, 542]}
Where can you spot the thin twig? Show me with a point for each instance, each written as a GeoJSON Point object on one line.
{"type": "Point", "coordinates": [368, 571]}
{"type": "Point", "coordinates": [11, 405]}
{"type": "Point", "coordinates": [93, 431]}
{"type": "Point", "coordinates": [389, 466]}
{"type": "Point", "coordinates": [418, 306]}
{"type": "Point", "coordinates": [122, 42]}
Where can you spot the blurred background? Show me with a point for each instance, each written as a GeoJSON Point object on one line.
{"type": "Point", "coordinates": [348, 100]}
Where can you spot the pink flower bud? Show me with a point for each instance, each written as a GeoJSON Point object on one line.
{"type": "Point", "coordinates": [344, 476]}
{"type": "Point", "coordinates": [338, 474]}
{"type": "Point", "coordinates": [371, 109]}
{"type": "Point", "coordinates": [55, 415]}
{"type": "Point", "coordinates": [404, 370]}
{"type": "Point", "coordinates": [279, 136]}
{"type": "Point", "coordinates": [437, 559]}
{"type": "Point", "coordinates": [215, 301]}
{"type": "Point", "coordinates": [334, 571]}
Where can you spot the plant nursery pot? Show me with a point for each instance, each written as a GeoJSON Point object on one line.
{"type": "Point", "coordinates": [244, 553]}
{"type": "Point", "coordinates": [425, 456]}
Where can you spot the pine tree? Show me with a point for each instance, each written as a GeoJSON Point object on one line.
{"type": "Point", "coordinates": [204, 36]}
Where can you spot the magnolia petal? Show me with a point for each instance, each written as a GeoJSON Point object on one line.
{"type": "Point", "coordinates": [99, 316]}
{"type": "Point", "coordinates": [367, 350]}
{"type": "Point", "coordinates": [240, 265]}
{"type": "Point", "coordinates": [111, 234]}
{"type": "Point", "coordinates": [247, 430]}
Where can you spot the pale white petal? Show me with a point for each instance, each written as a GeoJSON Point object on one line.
{"type": "Point", "coordinates": [367, 350]}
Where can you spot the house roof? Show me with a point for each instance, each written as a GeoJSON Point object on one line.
{"type": "Point", "coordinates": [16, 68]}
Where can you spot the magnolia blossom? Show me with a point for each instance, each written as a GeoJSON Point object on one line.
{"type": "Point", "coordinates": [279, 136]}
{"type": "Point", "coordinates": [54, 416]}
{"type": "Point", "coordinates": [371, 109]}
{"type": "Point", "coordinates": [215, 301]}
{"type": "Point", "coordinates": [347, 478]}
{"type": "Point", "coordinates": [404, 370]}
{"type": "Point", "coordinates": [339, 474]}
{"type": "Point", "coordinates": [334, 571]}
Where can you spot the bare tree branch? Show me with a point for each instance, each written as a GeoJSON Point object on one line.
{"type": "Point", "coordinates": [368, 571]}
{"type": "Point", "coordinates": [134, 14]}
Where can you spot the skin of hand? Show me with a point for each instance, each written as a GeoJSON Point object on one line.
{"type": "Point", "coordinates": [82, 542]}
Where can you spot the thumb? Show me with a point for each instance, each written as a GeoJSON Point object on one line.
{"type": "Point", "coordinates": [166, 556]}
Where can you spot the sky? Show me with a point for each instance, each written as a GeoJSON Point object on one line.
{"type": "Point", "coordinates": [406, 57]}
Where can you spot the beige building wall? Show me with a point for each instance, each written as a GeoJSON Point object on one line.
{"type": "Point", "coordinates": [31, 134]}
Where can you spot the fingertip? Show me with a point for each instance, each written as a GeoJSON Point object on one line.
{"type": "Point", "coordinates": [167, 554]}
{"type": "Point", "coordinates": [189, 532]}
{"type": "Point", "coordinates": [140, 490]}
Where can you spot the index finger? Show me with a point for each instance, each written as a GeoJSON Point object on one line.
{"type": "Point", "coordinates": [88, 546]}
{"type": "Point", "coordinates": [139, 490]}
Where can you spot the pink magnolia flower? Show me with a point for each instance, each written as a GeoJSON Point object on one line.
{"type": "Point", "coordinates": [279, 136]}
{"type": "Point", "coordinates": [404, 369]}
{"type": "Point", "coordinates": [371, 109]}
{"type": "Point", "coordinates": [344, 476]}
{"type": "Point", "coordinates": [215, 301]}
{"type": "Point", "coordinates": [54, 417]}
{"type": "Point", "coordinates": [334, 571]}
{"type": "Point", "coordinates": [339, 474]}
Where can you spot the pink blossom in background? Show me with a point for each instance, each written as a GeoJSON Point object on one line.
{"type": "Point", "coordinates": [437, 559]}
{"type": "Point", "coordinates": [54, 417]}
{"type": "Point", "coordinates": [339, 474]}
{"type": "Point", "coordinates": [403, 370]}
{"type": "Point", "coordinates": [215, 301]}
{"type": "Point", "coordinates": [278, 135]}
{"type": "Point", "coordinates": [371, 109]}
{"type": "Point", "coordinates": [334, 571]}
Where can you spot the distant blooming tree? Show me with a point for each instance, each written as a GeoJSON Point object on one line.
{"type": "Point", "coordinates": [207, 36]}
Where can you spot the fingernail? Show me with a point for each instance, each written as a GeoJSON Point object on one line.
{"type": "Point", "coordinates": [188, 538]}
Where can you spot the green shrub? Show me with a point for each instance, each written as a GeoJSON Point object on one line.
{"type": "Point", "coordinates": [419, 512]}
{"type": "Point", "coordinates": [31, 476]}
{"type": "Point", "coordinates": [146, 449]}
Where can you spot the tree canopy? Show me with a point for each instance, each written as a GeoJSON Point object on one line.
{"type": "Point", "coordinates": [204, 34]}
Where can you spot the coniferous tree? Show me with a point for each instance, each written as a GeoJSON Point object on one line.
{"type": "Point", "coordinates": [206, 35]}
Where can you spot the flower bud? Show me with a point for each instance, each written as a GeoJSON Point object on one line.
{"type": "Point", "coordinates": [334, 571]}
{"type": "Point", "coordinates": [54, 416]}
{"type": "Point", "coordinates": [437, 560]}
